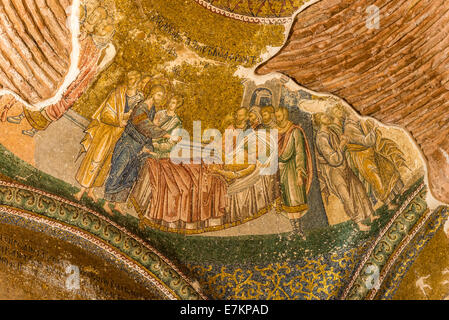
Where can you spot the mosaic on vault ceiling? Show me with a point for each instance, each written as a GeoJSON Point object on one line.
{"type": "Point", "coordinates": [215, 148]}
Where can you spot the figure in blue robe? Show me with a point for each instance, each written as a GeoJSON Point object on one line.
{"type": "Point", "coordinates": [127, 157]}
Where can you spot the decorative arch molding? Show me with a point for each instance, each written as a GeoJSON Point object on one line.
{"type": "Point", "coordinates": [74, 223]}
{"type": "Point", "coordinates": [282, 18]}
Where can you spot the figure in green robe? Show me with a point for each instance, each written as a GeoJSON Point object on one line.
{"type": "Point", "coordinates": [295, 169]}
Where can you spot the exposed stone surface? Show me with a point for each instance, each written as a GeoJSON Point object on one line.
{"type": "Point", "coordinates": [35, 46]}
{"type": "Point", "coordinates": [397, 73]}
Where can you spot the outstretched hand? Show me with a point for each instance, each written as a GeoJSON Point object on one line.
{"type": "Point", "coordinates": [127, 115]}
{"type": "Point", "coordinates": [145, 150]}
{"type": "Point", "coordinates": [343, 141]}
{"type": "Point", "coordinates": [5, 108]}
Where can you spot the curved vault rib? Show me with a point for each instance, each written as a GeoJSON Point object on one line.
{"type": "Point", "coordinates": [39, 53]}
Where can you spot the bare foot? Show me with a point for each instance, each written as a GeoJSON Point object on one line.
{"type": "Point", "coordinates": [378, 206]}
{"type": "Point", "coordinates": [374, 218]}
{"type": "Point", "coordinates": [392, 206]}
{"type": "Point", "coordinates": [363, 227]}
{"type": "Point", "coordinates": [91, 195]}
{"type": "Point", "coordinates": [79, 194]}
{"type": "Point", "coordinates": [108, 209]}
{"type": "Point", "coordinates": [119, 210]}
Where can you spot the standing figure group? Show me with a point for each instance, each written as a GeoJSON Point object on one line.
{"type": "Point", "coordinates": [294, 157]}
{"type": "Point", "coordinates": [126, 129]}
{"type": "Point", "coordinates": [352, 165]}
{"type": "Point", "coordinates": [254, 118]}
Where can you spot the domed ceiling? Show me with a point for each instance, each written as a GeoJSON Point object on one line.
{"type": "Point", "coordinates": [209, 149]}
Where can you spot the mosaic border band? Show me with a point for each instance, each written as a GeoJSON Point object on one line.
{"type": "Point", "coordinates": [103, 231]}
{"type": "Point", "coordinates": [244, 18]}
{"type": "Point", "coordinates": [120, 258]}
{"type": "Point", "coordinates": [410, 253]}
{"type": "Point", "coordinates": [386, 243]}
